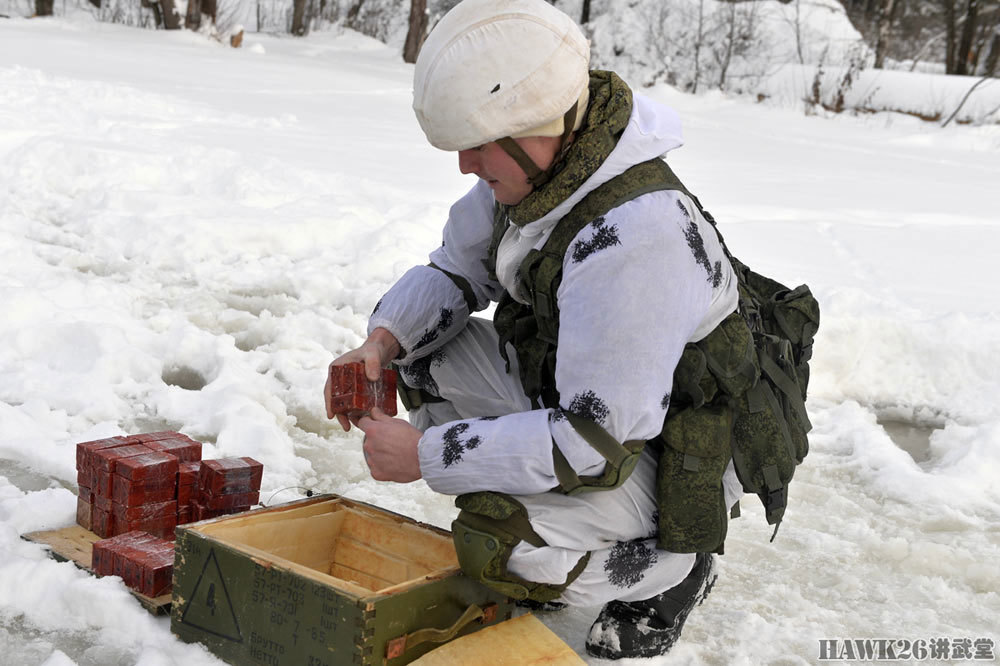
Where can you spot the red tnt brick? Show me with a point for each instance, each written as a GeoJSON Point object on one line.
{"type": "Point", "coordinates": [84, 450]}
{"type": "Point", "coordinates": [104, 503]}
{"type": "Point", "coordinates": [102, 523]}
{"type": "Point", "coordinates": [103, 484]}
{"type": "Point", "coordinates": [125, 549]}
{"type": "Point", "coordinates": [145, 512]}
{"type": "Point", "coordinates": [230, 501]}
{"type": "Point", "coordinates": [188, 473]}
{"type": "Point", "coordinates": [185, 514]}
{"type": "Point", "coordinates": [184, 495]}
{"type": "Point", "coordinates": [352, 393]}
{"type": "Point", "coordinates": [154, 465]}
{"type": "Point", "coordinates": [160, 527]}
{"type": "Point", "coordinates": [102, 557]}
{"type": "Point", "coordinates": [85, 478]}
{"type": "Point", "coordinates": [228, 475]}
{"type": "Point", "coordinates": [184, 448]}
{"type": "Point", "coordinates": [105, 459]}
{"type": "Point", "coordinates": [83, 513]}
{"type": "Point", "coordinates": [135, 493]}
{"type": "Point", "coordinates": [157, 569]}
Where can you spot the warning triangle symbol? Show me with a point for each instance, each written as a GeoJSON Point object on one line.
{"type": "Point", "coordinates": [210, 608]}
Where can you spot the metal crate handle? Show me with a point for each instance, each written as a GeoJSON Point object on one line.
{"type": "Point", "coordinates": [398, 646]}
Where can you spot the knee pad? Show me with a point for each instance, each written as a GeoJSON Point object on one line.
{"type": "Point", "coordinates": [485, 533]}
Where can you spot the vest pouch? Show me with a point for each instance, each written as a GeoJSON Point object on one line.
{"type": "Point", "coordinates": [690, 497]}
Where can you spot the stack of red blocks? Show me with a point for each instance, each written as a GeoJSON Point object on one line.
{"type": "Point", "coordinates": [135, 490]}
{"type": "Point", "coordinates": [130, 483]}
{"type": "Point", "coordinates": [352, 393]}
{"type": "Point", "coordinates": [145, 562]}
{"type": "Point", "coordinates": [228, 485]}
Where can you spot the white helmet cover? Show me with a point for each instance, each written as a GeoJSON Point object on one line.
{"type": "Point", "coordinates": [497, 68]}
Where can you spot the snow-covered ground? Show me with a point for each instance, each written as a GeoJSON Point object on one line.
{"type": "Point", "coordinates": [189, 233]}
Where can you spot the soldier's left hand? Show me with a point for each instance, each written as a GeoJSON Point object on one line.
{"type": "Point", "coordinates": [390, 447]}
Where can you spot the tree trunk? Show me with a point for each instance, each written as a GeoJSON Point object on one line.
{"type": "Point", "coordinates": [993, 55]}
{"type": "Point", "coordinates": [210, 8]}
{"type": "Point", "coordinates": [418, 26]}
{"type": "Point", "coordinates": [950, 33]}
{"type": "Point", "coordinates": [96, 3]}
{"type": "Point", "coordinates": [887, 11]}
{"type": "Point", "coordinates": [585, 12]}
{"type": "Point", "coordinates": [965, 43]}
{"type": "Point", "coordinates": [298, 18]}
{"type": "Point", "coordinates": [44, 7]}
{"type": "Point", "coordinates": [193, 19]}
{"type": "Point", "coordinates": [171, 17]}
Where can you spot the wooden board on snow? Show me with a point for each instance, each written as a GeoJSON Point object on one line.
{"type": "Point", "coordinates": [522, 641]}
{"type": "Point", "coordinates": [76, 544]}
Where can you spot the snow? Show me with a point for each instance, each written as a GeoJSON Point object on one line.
{"type": "Point", "coordinates": [189, 234]}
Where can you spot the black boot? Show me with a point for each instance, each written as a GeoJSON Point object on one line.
{"type": "Point", "coordinates": [650, 627]}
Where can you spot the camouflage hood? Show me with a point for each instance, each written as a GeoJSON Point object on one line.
{"type": "Point", "coordinates": [621, 131]}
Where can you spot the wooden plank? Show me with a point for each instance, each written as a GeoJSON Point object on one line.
{"type": "Point", "coordinates": [75, 544]}
{"type": "Point", "coordinates": [426, 549]}
{"type": "Point", "coordinates": [375, 562]}
{"type": "Point", "coordinates": [522, 641]}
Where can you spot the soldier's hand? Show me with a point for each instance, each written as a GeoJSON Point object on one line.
{"type": "Point", "coordinates": [390, 447]}
{"type": "Point", "coordinates": [378, 350]}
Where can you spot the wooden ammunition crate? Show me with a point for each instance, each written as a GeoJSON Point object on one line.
{"type": "Point", "coordinates": [324, 581]}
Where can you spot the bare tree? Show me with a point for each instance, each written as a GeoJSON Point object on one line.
{"type": "Point", "coordinates": [884, 21]}
{"type": "Point", "coordinates": [417, 31]}
{"type": "Point", "coordinates": [585, 12]}
{"type": "Point", "coordinates": [193, 19]}
{"type": "Point", "coordinates": [299, 18]}
{"type": "Point", "coordinates": [964, 52]}
{"type": "Point", "coordinates": [43, 7]}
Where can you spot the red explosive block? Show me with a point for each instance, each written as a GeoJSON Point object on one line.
{"type": "Point", "coordinates": [185, 514]}
{"type": "Point", "coordinates": [102, 523]}
{"type": "Point", "coordinates": [181, 446]}
{"type": "Point", "coordinates": [144, 561]}
{"type": "Point", "coordinates": [156, 572]}
{"type": "Point", "coordinates": [135, 493]}
{"type": "Point", "coordinates": [241, 501]}
{"type": "Point", "coordinates": [103, 503]}
{"type": "Point", "coordinates": [145, 512]}
{"type": "Point", "coordinates": [226, 476]}
{"type": "Point", "coordinates": [353, 394]}
{"type": "Point", "coordinates": [85, 450]}
{"type": "Point", "coordinates": [152, 467]}
{"type": "Point", "coordinates": [184, 495]}
{"type": "Point", "coordinates": [160, 527]}
{"type": "Point", "coordinates": [105, 459]}
{"type": "Point", "coordinates": [188, 473]}
{"type": "Point", "coordinates": [85, 477]}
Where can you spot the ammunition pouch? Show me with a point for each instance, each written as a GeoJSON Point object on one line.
{"type": "Point", "coordinates": [485, 533]}
{"type": "Point", "coordinates": [695, 443]}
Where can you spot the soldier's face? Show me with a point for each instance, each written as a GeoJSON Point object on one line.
{"type": "Point", "coordinates": [505, 177]}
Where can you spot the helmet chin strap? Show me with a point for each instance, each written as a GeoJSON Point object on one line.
{"type": "Point", "coordinates": [536, 176]}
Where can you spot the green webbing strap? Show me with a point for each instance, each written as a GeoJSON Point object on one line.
{"type": "Point", "coordinates": [463, 286]}
{"type": "Point", "coordinates": [514, 149]}
{"type": "Point", "coordinates": [791, 390]}
{"type": "Point", "coordinates": [536, 176]}
{"type": "Point", "coordinates": [620, 458]}
{"type": "Point", "coordinates": [516, 525]}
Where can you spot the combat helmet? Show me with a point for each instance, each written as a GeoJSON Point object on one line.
{"type": "Point", "coordinates": [497, 70]}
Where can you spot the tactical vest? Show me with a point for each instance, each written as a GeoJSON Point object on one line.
{"type": "Point", "coordinates": [737, 394]}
